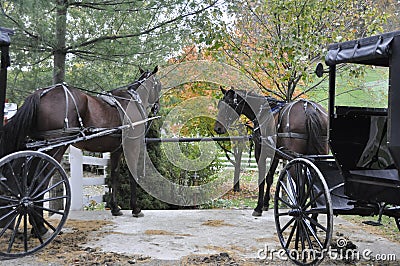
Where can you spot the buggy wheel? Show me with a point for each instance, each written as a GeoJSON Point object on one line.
{"type": "Point", "coordinates": [303, 212]}
{"type": "Point", "coordinates": [28, 182]}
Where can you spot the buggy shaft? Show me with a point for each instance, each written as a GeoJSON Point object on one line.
{"type": "Point", "coordinates": [101, 133]}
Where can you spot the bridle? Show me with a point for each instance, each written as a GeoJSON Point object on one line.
{"type": "Point", "coordinates": [235, 106]}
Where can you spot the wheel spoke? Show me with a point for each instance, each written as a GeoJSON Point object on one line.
{"type": "Point", "coordinates": [282, 214]}
{"type": "Point", "coordinates": [25, 175]}
{"type": "Point", "coordinates": [287, 225]}
{"type": "Point", "coordinates": [14, 233]}
{"type": "Point", "coordinates": [290, 181]}
{"type": "Point", "coordinates": [11, 191]}
{"type": "Point", "coordinates": [51, 199]}
{"type": "Point", "coordinates": [38, 215]}
{"type": "Point", "coordinates": [291, 235]}
{"type": "Point", "coordinates": [296, 241]}
{"type": "Point", "coordinates": [48, 189]}
{"type": "Point", "coordinates": [16, 180]}
{"type": "Point", "coordinates": [320, 226]}
{"type": "Point", "coordinates": [8, 199]}
{"type": "Point", "coordinates": [298, 171]}
{"type": "Point", "coordinates": [35, 228]}
{"type": "Point", "coordinates": [290, 195]}
{"type": "Point", "coordinates": [25, 232]}
{"type": "Point", "coordinates": [310, 245]}
{"type": "Point", "coordinates": [286, 203]}
{"type": "Point", "coordinates": [37, 174]}
{"type": "Point", "coordinates": [49, 210]}
{"type": "Point", "coordinates": [314, 200]}
{"type": "Point", "coordinates": [314, 234]}
{"type": "Point", "coordinates": [309, 189]}
{"type": "Point", "coordinates": [44, 181]}
{"type": "Point", "coordinates": [8, 224]}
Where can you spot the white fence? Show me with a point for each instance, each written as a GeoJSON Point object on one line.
{"type": "Point", "coordinates": [77, 181]}
{"type": "Point", "coordinates": [245, 164]}
{"type": "Point", "coordinates": [77, 160]}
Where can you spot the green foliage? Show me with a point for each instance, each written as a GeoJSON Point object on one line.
{"type": "Point", "coordinates": [101, 43]}
{"type": "Point", "coordinates": [278, 42]}
{"type": "Point", "coordinates": [145, 201]}
{"type": "Point", "coordinates": [94, 206]}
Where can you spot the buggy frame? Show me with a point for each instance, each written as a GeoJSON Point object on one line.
{"type": "Point", "coordinates": [362, 177]}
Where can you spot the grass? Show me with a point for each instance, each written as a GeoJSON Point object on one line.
{"type": "Point", "coordinates": [247, 199]}
{"type": "Point", "coordinates": [388, 229]}
{"type": "Point", "coordinates": [368, 90]}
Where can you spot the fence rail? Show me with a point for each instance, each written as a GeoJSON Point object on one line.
{"type": "Point", "coordinates": [78, 182]}
{"type": "Point", "coordinates": [76, 161]}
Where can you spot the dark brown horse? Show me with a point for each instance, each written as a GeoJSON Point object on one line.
{"type": "Point", "coordinates": [301, 128]}
{"type": "Point", "coordinates": [61, 111]}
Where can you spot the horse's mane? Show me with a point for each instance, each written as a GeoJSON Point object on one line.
{"type": "Point", "coordinates": [251, 93]}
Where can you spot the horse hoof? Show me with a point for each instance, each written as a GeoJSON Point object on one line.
{"type": "Point", "coordinates": [116, 213]}
{"type": "Point", "coordinates": [256, 214]}
{"type": "Point", "coordinates": [265, 208]}
{"type": "Point", "coordinates": [138, 215]}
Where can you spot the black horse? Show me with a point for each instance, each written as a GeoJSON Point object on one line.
{"type": "Point", "coordinates": [62, 111]}
{"type": "Point", "coordinates": [301, 128]}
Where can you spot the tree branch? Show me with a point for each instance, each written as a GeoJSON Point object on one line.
{"type": "Point", "coordinates": [145, 32]}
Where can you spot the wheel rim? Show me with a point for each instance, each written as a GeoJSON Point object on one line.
{"type": "Point", "coordinates": [301, 196]}
{"type": "Point", "coordinates": [28, 219]}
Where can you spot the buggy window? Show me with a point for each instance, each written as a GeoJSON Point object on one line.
{"type": "Point", "coordinates": [362, 86]}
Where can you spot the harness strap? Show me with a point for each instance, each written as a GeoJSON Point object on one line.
{"type": "Point", "coordinates": [75, 104]}
{"type": "Point", "coordinates": [68, 94]}
{"type": "Point", "coordinates": [293, 135]}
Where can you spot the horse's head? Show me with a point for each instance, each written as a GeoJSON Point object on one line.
{"type": "Point", "coordinates": [148, 87]}
{"type": "Point", "coordinates": [229, 108]}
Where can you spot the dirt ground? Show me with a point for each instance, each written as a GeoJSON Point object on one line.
{"type": "Point", "coordinates": [189, 237]}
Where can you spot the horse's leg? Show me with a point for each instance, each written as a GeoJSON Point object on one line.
{"type": "Point", "coordinates": [269, 180]}
{"type": "Point", "coordinates": [136, 211]}
{"type": "Point", "coordinates": [115, 158]}
{"type": "Point", "coordinates": [37, 220]}
{"type": "Point", "coordinates": [260, 158]}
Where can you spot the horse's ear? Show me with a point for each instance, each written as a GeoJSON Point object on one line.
{"type": "Point", "coordinates": [155, 70]}
{"type": "Point", "coordinates": [222, 90]}
{"type": "Point", "coordinates": [141, 70]}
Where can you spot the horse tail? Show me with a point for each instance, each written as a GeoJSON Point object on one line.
{"type": "Point", "coordinates": [20, 126]}
{"type": "Point", "coordinates": [316, 130]}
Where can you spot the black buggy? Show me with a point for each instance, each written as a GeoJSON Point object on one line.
{"type": "Point", "coordinates": [362, 177]}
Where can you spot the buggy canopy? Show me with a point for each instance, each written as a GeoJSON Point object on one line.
{"type": "Point", "coordinates": [375, 50]}
{"type": "Point", "coordinates": [380, 50]}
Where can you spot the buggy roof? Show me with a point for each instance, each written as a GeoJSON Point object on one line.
{"type": "Point", "coordinates": [375, 50]}
{"type": "Point", "coordinates": [5, 36]}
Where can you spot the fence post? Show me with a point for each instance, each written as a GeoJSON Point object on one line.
{"type": "Point", "coordinates": [75, 162]}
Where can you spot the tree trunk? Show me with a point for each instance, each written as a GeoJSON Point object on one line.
{"type": "Point", "coordinates": [59, 51]}
{"type": "Point", "coordinates": [58, 77]}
